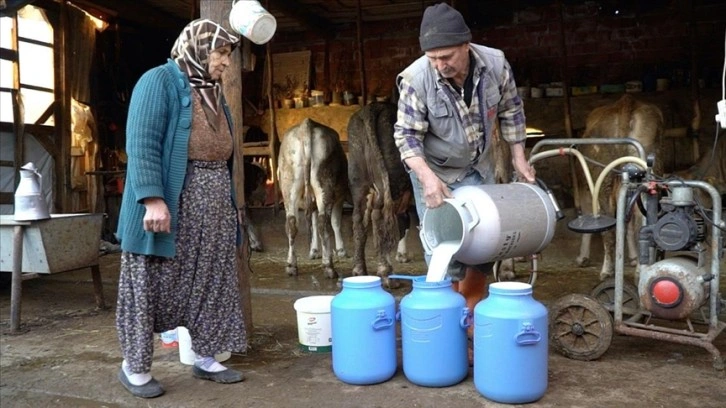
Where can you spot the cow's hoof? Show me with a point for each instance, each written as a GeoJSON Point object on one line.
{"type": "Point", "coordinates": [605, 274]}
{"type": "Point", "coordinates": [506, 275]}
{"type": "Point", "coordinates": [314, 254]}
{"type": "Point", "coordinates": [633, 261]}
{"type": "Point", "coordinates": [391, 283]}
{"type": "Point", "coordinates": [582, 261]}
{"type": "Point", "coordinates": [359, 270]}
{"type": "Point", "coordinates": [291, 270]}
{"type": "Point", "coordinates": [330, 272]}
{"type": "Point", "coordinates": [340, 253]}
{"type": "Point", "coordinates": [402, 258]}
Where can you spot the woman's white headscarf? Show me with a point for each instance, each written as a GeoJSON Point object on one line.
{"type": "Point", "coordinates": [191, 52]}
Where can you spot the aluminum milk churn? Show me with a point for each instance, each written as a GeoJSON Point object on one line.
{"type": "Point", "coordinates": [363, 317]}
{"type": "Point", "coordinates": [434, 321]}
{"type": "Point", "coordinates": [29, 202]}
{"type": "Point", "coordinates": [491, 222]}
{"type": "Point", "coordinates": [510, 344]}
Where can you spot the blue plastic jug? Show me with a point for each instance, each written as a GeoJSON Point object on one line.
{"type": "Point", "coordinates": [433, 333]}
{"type": "Point", "coordinates": [363, 332]}
{"type": "Point", "coordinates": [510, 344]}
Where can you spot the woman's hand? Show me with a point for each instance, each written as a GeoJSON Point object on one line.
{"type": "Point", "coordinates": [157, 217]}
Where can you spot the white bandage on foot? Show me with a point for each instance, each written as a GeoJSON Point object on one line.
{"type": "Point", "coordinates": [208, 364]}
{"type": "Point", "coordinates": [135, 379]}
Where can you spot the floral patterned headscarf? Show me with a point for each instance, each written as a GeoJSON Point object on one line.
{"type": "Point", "coordinates": [191, 52]}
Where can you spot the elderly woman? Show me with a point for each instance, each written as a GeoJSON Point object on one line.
{"type": "Point", "coordinates": [178, 224]}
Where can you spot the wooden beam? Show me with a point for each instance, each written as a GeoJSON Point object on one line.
{"type": "Point", "coordinates": [311, 21]}
{"type": "Point", "coordinates": [137, 12]}
{"type": "Point", "coordinates": [232, 79]}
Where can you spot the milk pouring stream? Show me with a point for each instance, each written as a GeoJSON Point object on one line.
{"type": "Point", "coordinates": [440, 259]}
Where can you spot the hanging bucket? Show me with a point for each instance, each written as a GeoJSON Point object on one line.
{"type": "Point", "coordinates": [433, 333]}
{"type": "Point", "coordinates": [313, 323]}
{"type": "Point", "coordinates": [510, 344]}
{"type": "Point", "coordinates": [491, 222]}
{"type": "Point", "coordinates": [250, 19]}
{"type": "Point", "coordinates": [364, 332]}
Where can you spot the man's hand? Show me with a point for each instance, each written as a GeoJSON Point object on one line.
{"type": "Point", "coordinates": [524, 170]}
{"type": "Point", "coordinates": [157, 217]}
{"type": "Point", "coordinates": [434, 190]}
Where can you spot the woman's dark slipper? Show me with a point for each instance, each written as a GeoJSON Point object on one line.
{"type": "Point", "coordinates": [227, 376]}
{"type": "Point", "coordinates": [151, 389]}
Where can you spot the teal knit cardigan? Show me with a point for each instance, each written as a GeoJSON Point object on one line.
{"type": "Point", "coordinates": [157, 143]}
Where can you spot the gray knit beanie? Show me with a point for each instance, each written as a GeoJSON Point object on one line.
{"type": "Point", "coordinates": [442, 26]}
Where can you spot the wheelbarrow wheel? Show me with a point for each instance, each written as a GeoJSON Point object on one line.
{"type": "Point", "coordinates": [580, 327]}
{"type": "Point", "coordinates": [604, 293]}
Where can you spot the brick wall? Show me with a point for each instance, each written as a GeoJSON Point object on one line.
{"type": "Point", "coordinates": [601, 48]}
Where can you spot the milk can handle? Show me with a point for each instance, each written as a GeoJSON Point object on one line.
{"type": "Point", "coordinates": [471, 209]}
{"type": "Point", "coordinates": [382, 321]}
{"type": "Point", "coordinates": [465, 322]}
{"type": "Point", "coordinates": [528, 336]}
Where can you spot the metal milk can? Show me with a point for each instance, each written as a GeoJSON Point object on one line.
{"type": "Point", "coordinates": [29, 202]}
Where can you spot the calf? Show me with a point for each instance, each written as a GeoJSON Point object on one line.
{"type": "Point", "coordinates": [380, 188]}
{"type": "Point", "coordinates": [313, 174]}
{"type": "Point", "coordinates": [627, 117]}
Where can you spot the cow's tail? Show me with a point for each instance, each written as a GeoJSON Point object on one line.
{"type": "Point", "coordinates": [387, 225]}
{"type": "Point", "coordinates": [307, 149]}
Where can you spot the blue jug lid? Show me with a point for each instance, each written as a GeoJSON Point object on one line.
{"type": "Point", "coordinates": [420, 282]}
{"type": "Point", "coordinates": [510, 288]}
{"type": "Point", "coordinates": [366, 281]}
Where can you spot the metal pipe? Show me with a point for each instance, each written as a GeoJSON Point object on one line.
{"type": "Point", "coordinates": [574, 141]}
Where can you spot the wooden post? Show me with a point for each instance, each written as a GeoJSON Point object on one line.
{"type": "Point", "coordinates": [16, 285]}
{"type": "Point", "coordinates": [695, 91]}
{"type": "Point", "coordinates": [273, 129]}
{"type": "Point", "coordinates": [62, 113]}
{"type": "Point", "coordinates": [362, 63]}
{"type": "Point", "coordinates": [218, 11]}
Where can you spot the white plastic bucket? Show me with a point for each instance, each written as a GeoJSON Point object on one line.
{"type": "Point", "coordinates": [313, 323]}
{"type": "Point", "coordinates": [186, 354]}
{"type": "Point", "coordinates": [250, 19]}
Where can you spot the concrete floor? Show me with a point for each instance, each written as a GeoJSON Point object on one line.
{"type": "Point", "coordinates": [67, 354]}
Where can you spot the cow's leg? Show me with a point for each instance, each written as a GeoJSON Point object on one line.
{"type": "Point", "coordinates": [583, 258]}
{"type": "Point", "coordinates": [404, 223]}
{"type": "Point", "coordinates": [608, 249]}
{"type": "Point", "coordinates": [291, 229]}
{"type": "Point", "coordinates": [324, 227]}
{"type": "Point", "coordinates": [402, 249]}
{"type": "Point", "coordinates": [360, 230]}
{"type": "Point", "coordinates": [336, 220]}
{"type": "Point", "coordinates": [255, 241]}
{"type": "Point", "coordinates": [314, 228]}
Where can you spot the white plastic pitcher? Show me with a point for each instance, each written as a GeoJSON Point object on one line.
{"type": "Point", "coordinates": [251, 20]}
{"type": "Point", "coordinates": [491, 222]}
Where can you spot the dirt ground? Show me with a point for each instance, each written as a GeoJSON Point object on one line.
{"type": "Point", "coordinates": [68, 356]}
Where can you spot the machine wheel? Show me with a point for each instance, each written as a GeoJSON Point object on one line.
{"type": "Point", "coordinates": [580, 327]}
{"type": "Point", "coordinates": [604, 293]}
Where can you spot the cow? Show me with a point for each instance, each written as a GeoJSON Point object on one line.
{"type": "Point", "coordinates": [313, 176]}
{"type": "Point", "coordinates": [626, 117]}
{"type": "Point", "coordinates": [380, 188]}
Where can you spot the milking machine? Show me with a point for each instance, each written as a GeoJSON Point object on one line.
{"type": "Point", "coordinates": [680, 248]}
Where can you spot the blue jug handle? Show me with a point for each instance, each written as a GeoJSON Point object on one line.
{"type": "Point", "coordinates": [407, 277]}
{"type": "Point", "coordinates": [464, 321]}
{"type": "Point", "coordinates": [528, 331]}
{"type": "Point", "coordinates": [382, 321]}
